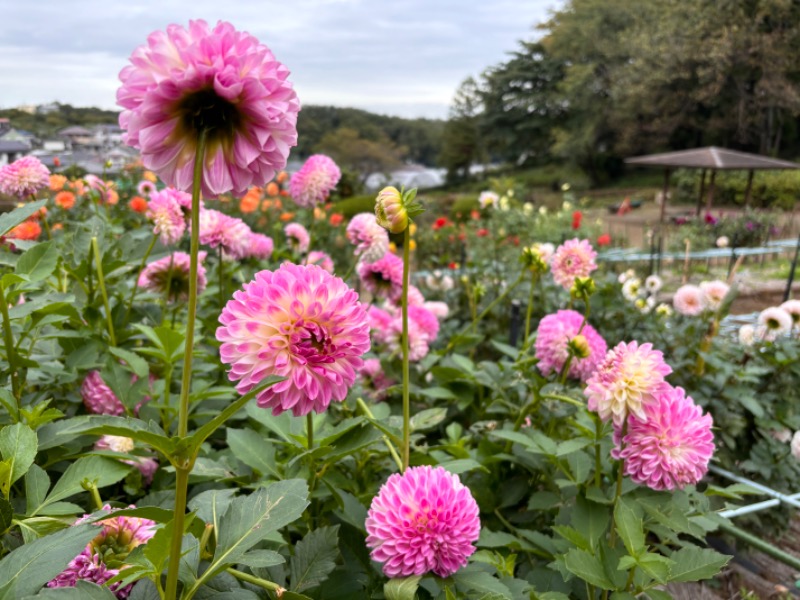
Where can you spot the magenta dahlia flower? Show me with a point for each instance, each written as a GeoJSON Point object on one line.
{"type": "Point", "coordinates": [313, 183]}
{"type": "Point", "coordinates": [170, 276]}
{"type": "Point", "coordinates": [387, 329]}
{"type": "Point", "coordinates": [316, 257]}
{"type": "Point", "coordinates": [24, 177]}
{"type": "Point", "coordinates": [98, 397]}
{"type": "Point", "coordinates": [220, 230]}
{"type": "Point", "coordinates": [370, 239]}
{"type": "Point", "coordinates": [147, 465]}
{"type": "Point", "coordinates": [671, 447]}
{"type": "Point", "coordinates": [165, 211]}
{"type": "Point", "coordinates": [220, 80]}
{"type": "Point", "coordinates": [106, 554]}
{"type": "Point", "coordinates": [261, 246]}
{"type": "Point", "coordinates": [299, 322]}
{"type": "Point", "coordinates": [552, 340]}
{"type": "Point", "coordinates": [689, 300]}
{"type": "Point", "coordinates": [626, 380]}
{"type": "Point", "coordinates": [384, 277]}
{"type": "Point", "coordinates": [423, 520]}
{"type": "Point", "coordinates": [298, 237]}
{"type": "Point", "coordinates": [574, 258]}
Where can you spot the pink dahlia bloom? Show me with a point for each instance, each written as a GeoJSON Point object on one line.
{"type": "Point", "coordinates": [387, 328]}
{"type": "Point", "coordinates": [384, 277]}
{"type": "Point", "coordinates": [299, 322]}
{"type": "Point", "coordinates": [261, 246]}
{"type": "Point", "coordinates": [626, 380]}
{"type": "Point", "coordinates": [145, 188]}
{"type": "Point", "coordinates": [689, 300]}
{"type": "Point", "coordinates": [170, 276]}
{"type": "Point", "coordinates": [313, 183]}
{"type": "Point", "coordinates": [220, 230]}
{"type": "Point", "coordinates": [375, 377]}
{"type": "Point", "coordinates": [165, 211]}
{"type": "Point", "coordinates": [98, 397]}
{"type": "Point", "coordinates": [146, 465]}
{"type": "Point", "coordinates": [714, 293]}
{"type": "Point", "coordinates": [222, 80]}
{"type": "Point", "coordinates": [106, 554]}
{"type": "Point", "coordinates": [574, 258]}
{"type": "Point", "coordinates": [423, 520]}
{"type": "Point", "coordinates": [415, 297]}
{"type": "Point", "coordinates": [370, 239]}
{"type": "Point", "coordinates": [380, 322]}
{"type": "Point", "coordinates": [424, 319]}
{"type": "Point", "coordinates": [554, 334]}
{"type": "Point", "coordinates": [671, 447]}
{"type": "Point", "coordinates": [440, 309]}
{"type": "Point", "coordinates": [298, 237]}
{"type": "Point", "coordinates": [24, 177]}
{"type": "Point", "coordinates": [316, 257]}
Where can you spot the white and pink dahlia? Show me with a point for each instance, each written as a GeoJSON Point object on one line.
{"type": "Point", "coordinates": [261, 246]}
{"type": "Point", "coordinates": [317, 257]}
{"type": "Point", "coordinates": [574, 258]}
{"type": "Point", "coordinates": [774, 322]}
{"type": "Point", "coordinates": [626, 380]}
{"type": "Point", "coordinates": [299, 322]}
{"type": "Point", "coordinates": [165, 211]}
{"type": "Point", "coordinates": [24, 177]}
{"type": "Point", "coordinates": [714, 293]}
{"type": "Point", "coordinates": [370, 239]}
{"type": "Point", "coordinates": [298, 237]}
{"type": "Point", "coordinates": [223, 81]}
{"type": "Point", "coordinates": [423, 520]}
{"type": "Point", "coordinates": [793, 308]}
{"type": "Point", "coordinates": [552, 345]}
{"type": "Point", "coordinates": [220, 230]}
{"type": "Point", "coordinates": [145, 188]}
{"type": "Point", "coordinates": [689, 300]}
{"type": "Point", "coordinates": [146, 465]}
{"type": "Point", "coordinates": [315, 180]}
{"type": "Point", "coordinates": [384, 277]}
{"type": "Point", "coordinates": [671, 446]}
{"type": "Point", "coordinates": [169, 276]}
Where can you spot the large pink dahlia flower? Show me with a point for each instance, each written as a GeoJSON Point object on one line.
{"type": "Point", "coordinates": [24, 177]}
{"type": "Point", "coordinates": [672, 446]}
{"type": "Point", "coordinates": [626, 380]}
{"type": "Point", "coordinates": [220, 230]}
{"type": "Point", "coordinates": [313, 183]}
{"type": "Point", "coordinates": [261, 246]}
{"type": "Point", "coordinates": [220, 80]}
{"type": "Point", "coordinates": [423, 520]}
{"type": "Point", "coordinates": [370, 239]}
{"type": "Point", "coordinates": [299, 322]}
{"type": "Point", "coordinates": [552, 340]}
{"type": "Point", "coordinates": [574, 258]}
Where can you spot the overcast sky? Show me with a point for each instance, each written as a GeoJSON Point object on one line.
{"type": "Point", "coordinates": [400, 57]}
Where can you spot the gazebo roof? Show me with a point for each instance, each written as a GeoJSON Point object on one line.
{"type": "Point", "coordinates": [711, 158]}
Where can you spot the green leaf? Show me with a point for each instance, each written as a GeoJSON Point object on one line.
{"type": "Point", "coordinates": [314, 558]}
{"type": "Point", "coordinates": [6, 515]}
{"type": "Point", "coordinates": [481, 581]}
{"type": "Point", "coordinates": [570, 446]}
{"type": "Point", "coordinates": [83, 590]}
{"type": "Point", "coordinates": [658, 595]}
{"type": "Point", "coordinates": [655, 565]}
{"type": "Point", "coordinates": [137, 364]}
{"type": "Point", "coordinates": [212, 504]}
{"type": "Point", "coordinates": [29, 567]}
{"type": "Point", "coordinates": [587, 567]}
{"type": "Point", "coordinates": [101, 470]}
{"type": "Point", "coordinates": [36, 485]}
{"type": "Point", "coordinates": [402, 589]}
{"type": "Point", "coordinates": [437, 393]}
{"type": "Point", "coordinates": [428, 418]}
{"type": "Point", "coordinates": [261, 559]}
{"type": "Point", "coordinates": [11, 219]}
{"type": "Point", "coordinates": [39, 262]}
{"type": "Point", "coordinates": [18, 445]}
{"type": "Point", "coordinates": [629, 526]}
{"type": "Point", "coordinates": [693, 564]}
{"type": "Point", "coordinates": [591, 519]}
{"type": "Point", "coordinates": [253, 450]}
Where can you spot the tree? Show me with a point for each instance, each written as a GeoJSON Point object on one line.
{"type": "Point", "coordinates": [365, 156]}
{"type": "Point", "coordinates": [461, 140]}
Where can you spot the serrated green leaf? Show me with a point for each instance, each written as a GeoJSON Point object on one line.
{"type": "Point", "coordinates": [83, 590]}
{"type": "Point", "coordinates": [212, 504]}
{"type": "Point", "coordinates": [480, 581]}
{"type": "Point", "coordinates": [693, 564]}
{"type": "Point", "coordinates": [36, 485]}
{"type": "Point", "coordinates": [314, 558]}
{"type": "Point", "coordinates": [18, 444]}
{"type": "Point", "coordinates": [428, 418]}
{"type": "Point", "coordinates": [253, 450]}
{"type": "Point", "coordinates": [98, 469]}
{"type": "Point", "coordinates": [137, 364]}
{"type": "Point", "coordinates": [402, 589]}
{"type": "Point", "coordinates": [39, 262]}
{"type": "Point", "coordinates": [629, 526]}
{"type": "Point", "coordinates": [259, 558]}
{"type": "Point", "coordinates": [587, 567]}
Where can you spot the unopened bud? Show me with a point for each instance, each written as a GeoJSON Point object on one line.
{"type": "Point", "coordinates": [579, 346]}
{"type": "Point", "coordinates": [395, 209]}
{"type": "Point", "coordinates": [583, 287]}
{"type": "Point", "coordinates": [532, 260]}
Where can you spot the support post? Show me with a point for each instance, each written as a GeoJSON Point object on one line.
{"type": "Point", "coordinates": [790, 280]}
{"type": "Point", "coordinates": [711, 190]}
{"type": "Point", "coordinates": [748, 189]}
{"type": "Point", "coordinates": [702, 192]}
{"type": "Point", "coordinates": [664, 194]}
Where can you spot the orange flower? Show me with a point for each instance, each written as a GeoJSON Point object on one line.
{"type": "Point", "coordinates": [249, 202]}
{"type": "Point", "coordinates": [266, 205]}
{"type": "Point", "coordinates": [29, 230]}
{"type": "Point", "coordinates": [111, 197]}
{"type": "Point", "coordinates": [57, 227]}
{"type": "Point", "coordinates": [272, 189]}
{"type": "Point", "coordinates": [57, 182]}
{"type": "Point", "coordinates": [65, 200]}
{"type": "Point", "coordinates": [287, 216]}
{"type": "Point", "coordinates": [284, 193]}
{"type": "Point", "coordinates": [336, 219]}
{"type": "Point", "coordinates": [138, 204]}
{"type": "Point", "coordinates": [318, 213]}
{"type": "Point", "coordinates": [282, 176]}
{"type": "Point", "coordinates": [78, 186]}
{"type": "Point", "coordinates": [150, 176]}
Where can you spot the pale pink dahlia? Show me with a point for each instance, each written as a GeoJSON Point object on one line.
{"type": "Point", "coordinates": [440, 309]}
{"type": "Point", "coordinates": [315, 180]}
{"type": "Point", "coordinates": [793, 308]}
{"type": "Point", "coordinates": [261, 246]}
{"type": "Point", "coordinates": [423, 520]}
{"type": "Point", "coordinates": [554, 334]}
{"type": "Point", "coordinates": [220, 230]}
{"type": "Point", "coordinates": [24, 177]}
{"type": "Point", "coordinates": [370, 239]}
{"type": "Point", "coordinates": [145, 188]}
{"type": "Point", "coordinates": [183, 81]}
{"type": "Point", "coordinates": [107, 553]}
{"type": "Point", "coordinates": [165, 212]}
{"type": "Point", "coordinates": [384, 277]}
{"type": "Point", "coordinates": [98, 397]}
{"type": "Point", "coordinates": [714, 293]}
{"type": "Point", "coordinates": [689, 300]}
{"type": "Point", "coordinates": [146, 465]}
{"type": "Point", "coordinates": [423, 327]}
{"type": "Point", "coordinates": [626, 380]}
{"type": "Point", "coordinates": [671, 447]}
{"type": "Point", "coordinates": [298, 237]}
{"type": "Point", "coordinates": [774, 322]}
{"type": "Point", "coordinates": [316, 257]}
{"type": "Point", "coordinates": [170, 276]}
{"type": "Point", "coordinates": [380, 322]}
{"type": "Point", "coordinates": [574, 258]}
{"type": "Point", "coordinates": [299, 322]}
{"type": "Point", "coordinates": [415, 297]}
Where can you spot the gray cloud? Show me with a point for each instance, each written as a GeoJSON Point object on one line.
{"type": "Point", "coordinates": [395, 57]}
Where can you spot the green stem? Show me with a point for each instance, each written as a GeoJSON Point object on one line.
{"type": "Point", "coordinates": [529, 313]}
{"type": "Point", "coordinates": [165, 413]}
{"type": "Point", "coordinates": [365, 409]}
{"type": "Point", "coordinates": [262, 583]}
{"type": "Point", "coordinates": [11, 354]}
{"type": "Point", "coordinates": [564, 399]}
{"type": "Point", "coordinates": [489, 308]}
{"type": "Point", "coordinates": [406, 373]}
{"type": "Point", "coordinates": [91, 487]}
{"type": "Point", "coordinates": [182, 470]}
{"type": "Point", "coordinates": [620, 476]}
{"type": "Point", "coordinates": [598, 425]}
{"type": "Point", "coordinates": [136, 279]}
{"type": "Point", "coordinates": [310, 431]}
{"type": "Point", "coordinates": [101, 283]}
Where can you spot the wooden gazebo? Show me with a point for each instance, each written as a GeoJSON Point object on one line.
{"type": "Point", "coordinates": [709, 159]}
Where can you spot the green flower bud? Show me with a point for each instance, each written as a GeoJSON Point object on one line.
{"type": "Point", "coordinates": [394, 209]}
{"type": "Point", "coordinates": [583, 287]}
{"type": "Point", "coordinates": [579, 347]}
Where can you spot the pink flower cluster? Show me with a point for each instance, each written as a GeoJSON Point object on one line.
{"type": "Point", "coordinates": [369, 238]}
{"type": "Point", "coordinates": [315, 180]}
{"type": "Point", "coordinates": [387, 328]}
{"type": "Point", "coordinates": [552, 345]}
{"type": "Point", "coordinates": [218, 230]}
{"type": "Point", "coordinates": [24, 177]}
{"type": "Point", "coordinates": [574, 258]}
{"type": "Point", "coordinates": [164, 209]}
{"type": "Point", "coordinates": [170, 276]}
{"type": "Point", "coordinates": [98, 397]}
{"type": "Point", "coordinates": [692, 300]}
{"type": "Point", "coordinates": [299, 322]}
{"type": "Point", "coordinates": [423, 520]}
{"type": "Point", "coordinates": [384, 277]}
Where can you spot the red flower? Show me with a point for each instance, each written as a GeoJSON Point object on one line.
{"type": "Point", "coordinates": [462, 236]}
{"type": "Point", "coordinates": [604, 240]}
{"type": "Point", "coordinates": [440, 222]}
{"type": "Point", "coordinates": [56, 161]}
{"type": "Point", "coordinates": [577, 216]}
{"type": "Point", "coordinates": [336, 219]}
{"type": "Point", "coordinates": [483, 232]}
{"type": "Point", "coordinates": [138, 204]}
{"type": "Point", "coordinates": [475, 214]}
{"type": "Point", "coordinates": [453, 266]}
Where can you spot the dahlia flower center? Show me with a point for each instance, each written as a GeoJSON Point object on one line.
{"type": "Point", "coordinates": [113, 548]}
{"type": "Point", "coordinates": [120, 444]}
{"type": "Point", "coordinates": [204, 109]}
{"type": "Point", "coordinates": [773, 324]}
{"type": "Point", "coordinates": [314, 343]}
{"type": "Point", "coordinates": [173, 281]}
